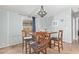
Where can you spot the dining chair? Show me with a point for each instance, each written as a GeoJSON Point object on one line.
{"type": "Point", "coordinates": [23, 36]}
{"type": "Point", "coordinates": [58, 41]}
{"type": "Point", "coordinates": [26, 39]}
{"type": "Point", "coordinates": [41, 43]}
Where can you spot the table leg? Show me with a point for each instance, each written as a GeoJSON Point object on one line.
{"type": "Point", "coordinates": [49, 41]}
{"type": "Point", "coordinates": [50, 44]}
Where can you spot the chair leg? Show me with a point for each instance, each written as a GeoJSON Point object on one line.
{"type": "Point", "coordinates": [29, 49]}
{"type": "Point", "coordinates": [62, 47]}
{"type": "Point", "coordinates": [62, 44]}
{"type": "Point", "coordinates": [58, 47]}
{"type": "Point", "coordinates": [23, 46]}
{"type": "Point", "coordinates": [26, 46]}
{"type": "Point", "coordinates": [54, 43]}
{"type": "Point", "coordinates": [45, 50]}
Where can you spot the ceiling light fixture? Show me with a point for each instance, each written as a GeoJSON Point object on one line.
{"type": "Point", "coordinates": [42, 12]}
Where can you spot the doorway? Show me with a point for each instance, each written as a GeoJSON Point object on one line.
{"type": "Point", "coordinates": [75, 28]}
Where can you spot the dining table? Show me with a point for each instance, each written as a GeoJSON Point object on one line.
{"type": "Point", "coordinates": [29, 40]}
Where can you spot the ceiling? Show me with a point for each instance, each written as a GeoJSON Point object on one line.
{"type": "Point", "coordinates": [31, 10]}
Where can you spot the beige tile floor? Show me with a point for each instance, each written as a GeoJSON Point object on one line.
{"type": "Point", "coordinates": [17, 49]}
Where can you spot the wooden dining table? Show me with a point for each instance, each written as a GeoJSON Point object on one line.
{"type": "Point", "coordinates": [28, 41]}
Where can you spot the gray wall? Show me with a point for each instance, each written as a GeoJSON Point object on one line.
{"type": "Point", "coordinates": [43, 23]}
{"type": "Point", "coordinates": [10, 28]}
{"type": "Point", "coordinates": [63, 20]}
{"type": "Point", "coordinates": [3, 28]}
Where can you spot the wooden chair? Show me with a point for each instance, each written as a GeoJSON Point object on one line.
{"type": "Point", "coordinates": [41, 43]}
{"type": "Point", "coordinates": [58, 40]}
{"type": "Point", "coordinates": [23, 35]}
{"type": "Point", "coordinates": [25, 40]}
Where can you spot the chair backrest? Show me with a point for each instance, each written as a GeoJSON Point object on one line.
{"type": "Point", "coordinates": [60, 34]}
{"type": "Point", "coordinates": [24, 33]}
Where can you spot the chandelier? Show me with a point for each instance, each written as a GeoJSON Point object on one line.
{"type": "Point", "coordinates": [42, 12]}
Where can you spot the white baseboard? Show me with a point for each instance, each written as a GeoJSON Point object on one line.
{"type": "Point", "coordinates": [9, 44]}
